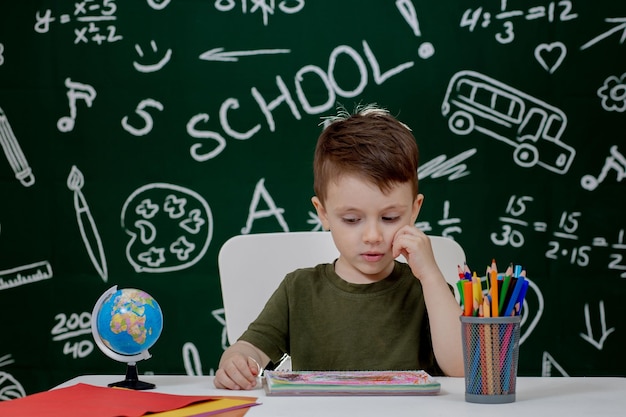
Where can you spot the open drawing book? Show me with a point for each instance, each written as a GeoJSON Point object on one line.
{"type": "Point", "coordinates": [350, 383]}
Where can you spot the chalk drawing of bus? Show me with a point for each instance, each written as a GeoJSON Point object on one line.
{"type": "Point", "coordinates": [475, 101]}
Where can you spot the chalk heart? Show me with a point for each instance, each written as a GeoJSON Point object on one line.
{"type": "Point", "coordinates": [550, 55]}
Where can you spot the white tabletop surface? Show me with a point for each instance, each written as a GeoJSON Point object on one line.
{"type": "Point", "coordinates": [535, 397]}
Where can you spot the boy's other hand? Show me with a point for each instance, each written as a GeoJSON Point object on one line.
{"type": "Point", "coordinates": [238, 372]}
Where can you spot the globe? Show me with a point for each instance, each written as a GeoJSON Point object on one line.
{"type": "Point", "coordinates": [125, 323]}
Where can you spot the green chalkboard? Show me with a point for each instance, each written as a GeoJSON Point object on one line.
{"type": "Point", "coordinates": [110, 109]}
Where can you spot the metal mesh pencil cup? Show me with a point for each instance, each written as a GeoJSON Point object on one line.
{"type": "Point", "coordinates": [490, 355]}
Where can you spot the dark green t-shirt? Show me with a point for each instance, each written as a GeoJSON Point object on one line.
{"type": "Point", "coordinates": [326, 323]}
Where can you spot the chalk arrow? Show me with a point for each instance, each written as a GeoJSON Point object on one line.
{"type": "Point", "coordinates": [621, 26]}
{"type": "Point", "coordinates": [605, 333]}
{"type": "Point", "coordinates": [217, 54]}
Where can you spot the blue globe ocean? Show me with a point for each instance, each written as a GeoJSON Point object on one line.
{"type": "Point", "coordinates": [130, 321]}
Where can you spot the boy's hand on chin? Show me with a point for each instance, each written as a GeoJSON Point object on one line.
{"type": "Point", "coordinates": [415, 246]}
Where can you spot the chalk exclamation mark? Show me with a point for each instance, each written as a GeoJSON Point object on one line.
{"type": "Point", "coordinates": [407, 10]}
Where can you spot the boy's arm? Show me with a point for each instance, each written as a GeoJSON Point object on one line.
{"type": "Point", "coordinates": [239, 366]}
{"type": "Point", "coordinates": [443, 309]}
{"type": "Point", "coordinates": [445, 326]}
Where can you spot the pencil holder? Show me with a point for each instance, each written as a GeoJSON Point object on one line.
{"type": "Point", "coordinates": [490, 355]}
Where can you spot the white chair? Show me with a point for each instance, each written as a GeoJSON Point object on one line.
{"type": "Point", "coordinates": [252, 266]}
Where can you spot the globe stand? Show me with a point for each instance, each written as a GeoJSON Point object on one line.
{"type": "Point", "coordinates": [132, 380]}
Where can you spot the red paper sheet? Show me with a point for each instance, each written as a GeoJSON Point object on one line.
{"type": "Point", "coordinates": [87, 400]}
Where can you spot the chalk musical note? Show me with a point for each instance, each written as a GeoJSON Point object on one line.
{"type": "Point", "coordinates": [86, 223]}
{"type": "Point", "coordinates": [14, 153]}
{"type": "Point", "coordinates": [76, 91]}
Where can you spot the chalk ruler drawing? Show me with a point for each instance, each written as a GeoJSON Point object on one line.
{"type": "Point", "coordinates": [474, 101]}
{"type": "Point", "coordinates": [14, 153]}
{"type": "Point", "coordinates": [170, 227]}
{"type": "Point", "coordinates": [86, 224]}
{"type": "Point", "coordinates": [26, 274]}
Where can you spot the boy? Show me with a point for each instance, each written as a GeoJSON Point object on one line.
{"type": "Point", "coordinates": [365, 311]}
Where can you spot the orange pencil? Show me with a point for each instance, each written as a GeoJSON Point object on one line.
{"type": "Point", "coordinates": [494, 291]}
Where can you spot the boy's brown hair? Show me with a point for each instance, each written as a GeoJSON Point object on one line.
{"type": "Point", "coordinates": [369, 143]}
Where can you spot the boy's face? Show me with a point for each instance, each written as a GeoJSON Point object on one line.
{"type": "Point", "coordinates": [364, 222]}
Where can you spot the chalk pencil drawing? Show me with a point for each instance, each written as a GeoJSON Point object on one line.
{"type": "Point", "coordinates": [14, 153]}
{"type": "Point", "coordinates": [474, 101]}
{"type": "Point", "coordinates": [86, 223]}
{"type": "Point", "coordinates": [170, 227]}
{"type": "Point", "coordinates": [550, 55]}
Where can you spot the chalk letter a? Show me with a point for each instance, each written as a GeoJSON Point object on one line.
{"type": "Point", "coordinates": [253, 213]}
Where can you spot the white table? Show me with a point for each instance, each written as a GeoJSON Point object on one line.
{"type": "Point", "coordinates": [535, 397]}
